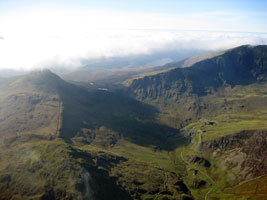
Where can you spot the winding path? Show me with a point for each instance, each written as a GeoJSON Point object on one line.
{"type": "Point", "coordinates": [164, 185]}
{"type": "Point", "coordinates": [205, 174]}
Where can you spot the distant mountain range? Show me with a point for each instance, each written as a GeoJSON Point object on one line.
{"type": "Point", "coordinates": [99, 68]}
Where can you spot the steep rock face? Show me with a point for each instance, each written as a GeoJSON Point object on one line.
{"type": "Point", "coordinates": [239, 66]}
{"type": "Point", "coordinates": [256, 151]}
{"type": "Point", "coordinates": [197, 183]}
{"type": "Point", "coordinates": [251, 145]}
{"type": "Point", "coordinates": [180, 184]}
{"type": "Point", "coordinates": [199, 160]}
{"type": "Point", "coordinates": [229, 142]}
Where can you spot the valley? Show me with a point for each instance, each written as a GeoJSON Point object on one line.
{"type": "Point", "coordinates": [192, 131]}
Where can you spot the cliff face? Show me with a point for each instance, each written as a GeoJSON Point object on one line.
{"type": "Point", "coordinates": [239, 66]}
{"type": "Point", "coordinates": [229, 142]}
{"type": "Point", "coordinates": [251, 145]}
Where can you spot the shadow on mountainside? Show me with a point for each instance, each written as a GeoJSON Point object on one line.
{"type": "Point", "coordinates": [101, 185]}
{"type": "Point", "coordinates": [127, 117]}
{"type": "Point", "coordinates": [243, 65]}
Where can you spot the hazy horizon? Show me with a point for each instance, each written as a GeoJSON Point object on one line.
{"type": "Point", "coordinates": [44, 34]}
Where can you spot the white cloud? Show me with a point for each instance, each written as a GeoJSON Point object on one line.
{"type": "Point", "coordinates": [46, 37]}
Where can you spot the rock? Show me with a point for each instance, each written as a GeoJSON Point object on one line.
{"type": "Point", "coordinates": [253, 143]}
{"type": "Point", "coordinates": [141, 190]}
{"type": "Point", "coordinates": [154, 191]}
{"type": "Point", "coordinates": [199, 160]}
{"type": "Point", "coordinates": [211, 123]}
{"type": "Point", "coordinates": [180, 186]}
{"type": "Point", "coordinates": [199, 147]}
{"type": "Point", "coordinates": [5, 178]}
{"type": "Point", "coordinates": [166, 192]}
{"type": "Point", "coordinates": [49, 195]}
{"type": "Point", "coordinates": [183, 130]}
{"type": "Point", "coordinates": [157, 149]}
{"type": "Point", "coordinates": [197, 183]}
{"type": "Point", "coordinates": [136, 182]}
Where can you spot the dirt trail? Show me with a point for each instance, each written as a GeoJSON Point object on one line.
{"type": "Point", "coordinates": [203, 173]}
{"type": "Point", "coordinates": [164, 186]}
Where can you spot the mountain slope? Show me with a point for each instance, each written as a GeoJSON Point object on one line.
{"type": "Point", "coordinates": [239, 66]}
{"type": "Point", "coordinates": [63, 141]}
{"type": "Point", "coordinates": [220, 96]}
{"type": "Point", "coordinates": [191, 133]}
{"type": "Point", "coordinates": [35, 162]}
{"type": "Point", "coordinates": [236, 67]}
{"type": "Point", "coordinates": [27, 107]}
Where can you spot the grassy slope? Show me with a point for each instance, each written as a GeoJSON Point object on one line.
{"type": "Point", "coordinates": [124, 147]}
{"type": "Point", "coordinates": [254, 189]}
{"type": "Point", "coordinates": [26, 110]}
{"type": "Point", "coordinates": [37, 169]}
{"type": "Point", "coordinates": [144, 172]}
{"type": "Point", "coordinates": [235, 108]}
{"type": "Point", "coordinates": [125, 154]}
{"type": "Point", "coordinates": [34, 164]}
{"type": "Point", "coordinates": [232, 110]}
{"type": "Point", "coordinates": [150, 167]}
{"type": "Point", "coordinates": [126, 129]}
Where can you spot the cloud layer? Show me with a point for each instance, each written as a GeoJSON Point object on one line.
{"type": "Point", "coordinates": [47, 38]}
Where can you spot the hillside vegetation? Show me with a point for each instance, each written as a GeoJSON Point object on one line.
{"type": "Point", "coordinates": [63, 141]}
{"type": "Point", "coordinates": [218, 96]}
{"type": "Point", "coordinates": [197, 132]}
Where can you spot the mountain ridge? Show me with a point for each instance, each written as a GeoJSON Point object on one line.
{"type": "Point", "coordinates": [208, 74]}
{"type": "Point", "coordinates": [179, 136]}
{"type": "Point", "coordinates": [215, 103]}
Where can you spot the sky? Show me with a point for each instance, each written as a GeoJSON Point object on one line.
{"type": "Point", "coordinates": [39, 34]}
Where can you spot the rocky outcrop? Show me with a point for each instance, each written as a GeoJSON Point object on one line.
{"type": "Point", "coordinates": [234, 140]}
{"type": "Point", "coordinates": [197, 183]}
{"type": "Point", "coordinates": [252, 144]}
{"type": "Point", "coordinates": [199, 160]}
{"type": "Point", "coordinates": [180, 186]}
{"type": "Point", "coordinates": [256, 151]}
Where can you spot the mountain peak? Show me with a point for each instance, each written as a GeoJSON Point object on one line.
{"type": "Point", "coordinates": [43, 74]}
{"type": "Point", "coordinates": [39, 79]}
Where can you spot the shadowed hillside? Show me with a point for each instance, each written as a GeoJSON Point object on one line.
{"type": "Point", "coordinates": [39, 109]}
{"type": "Point", "coordinates": [87, 112]}
{"type": "Point", "coordinates": [240, 66]}
{"type": "Point", "coordinates": [35, 163]}
{"type": "Point", "coordinates": [191, 133]}
{"type": "Point", "coordinates": [219, 103]}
